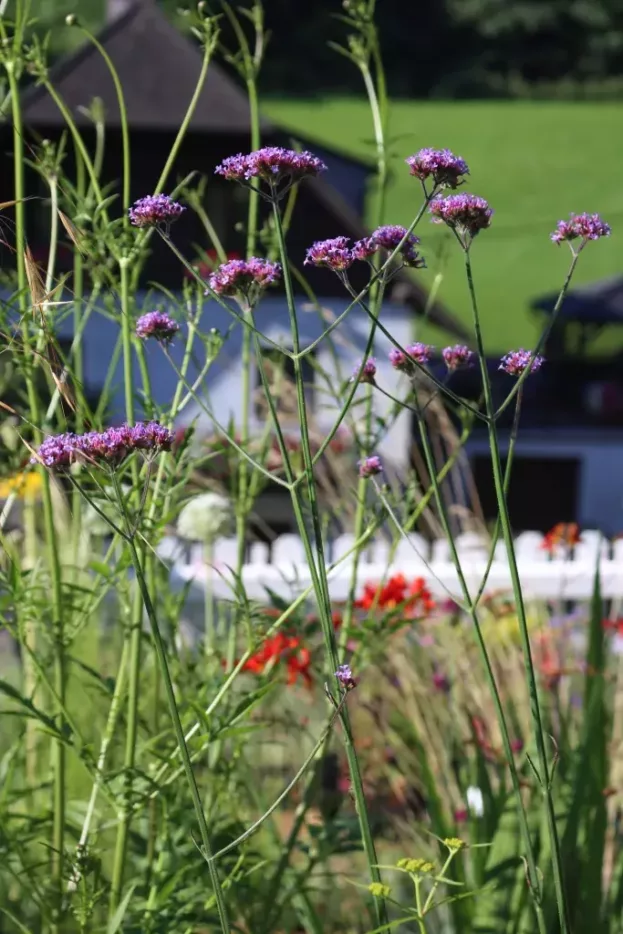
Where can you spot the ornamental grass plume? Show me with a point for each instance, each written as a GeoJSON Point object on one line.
{"type": "Point", "coordinates": [445, 169]}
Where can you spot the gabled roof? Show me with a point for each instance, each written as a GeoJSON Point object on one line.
{"type": "Point", "coordinates": [158, 69]}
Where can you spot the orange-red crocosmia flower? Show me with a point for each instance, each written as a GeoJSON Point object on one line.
{"type": "Point", "coordinates": [563, 535]}
{"type": "Point", "coordinates": [276, 648]}
{"type": "Point", "coordinates": [415, 598]}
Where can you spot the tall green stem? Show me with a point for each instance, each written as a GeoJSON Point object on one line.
{"type": "Point", "coordinates": [136, 620]}
{"type": "Point", "coordinates": [318, 570]}
{"type": "Point", "coordinates": [535, 709]}
{"type": "Point", "coordinates": [179, 734]}
{"type": "Point", "coordinates": [58, 634]}
{"type": "Point", "coordinates": [533, 874]}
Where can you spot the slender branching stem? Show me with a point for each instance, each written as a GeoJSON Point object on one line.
{"type": "Point", "coordinates": [532, 684]}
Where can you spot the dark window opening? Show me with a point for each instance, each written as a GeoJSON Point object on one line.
{"type": "Point", "coordinates": [542, 492]}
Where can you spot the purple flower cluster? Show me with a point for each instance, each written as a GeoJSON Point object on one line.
{"type": "Point", "coordinates": [370, 466]}
{"type": "Point", "coordinates": [158, 325]}
{"type": "Point", "coordinates": [155, 210]}
{"type": "Point", "coordinates": [388, 238]}
{"type": "Point", "coordinates": [414, 353]}
{"type": "Point", "coordinates": [585, 226]}
{"type": "Point", "coordinates": [246, 277]}
{"type": "Point", "coordinates": [457, 356]}
{"type": "Point", "coordinates": [103, 447]}
{"type": "Point", "coordinates": [272, 164]}
{"type": "Point", "coordinates": [466, 214]}
{"type": "Point", "coordinates": [515, 362]}
{"type": "Point", "coordinates": [441, 165]}
{"type": "Point", "coordinates": [367, 374]}
{"type": "Point", "coordinates": [344, 675]}
{"type": "Point", "coordinates": [334, 253]}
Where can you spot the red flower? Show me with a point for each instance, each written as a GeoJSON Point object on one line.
{"type": "Point", "coordinates": [565, 535]}
{"type": "Point", "coordinates": [614, 625]}
{"type": "Point", "coordinates": [276, 648]}
{"type": "Point", "coordinates": [414, 598]}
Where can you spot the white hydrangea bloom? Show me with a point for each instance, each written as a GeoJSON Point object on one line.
{"type": "Point", "coordinates": [206, 517]}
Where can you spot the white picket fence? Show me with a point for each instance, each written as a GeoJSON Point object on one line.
{"type": "Point", "coordinates": [283, 569]}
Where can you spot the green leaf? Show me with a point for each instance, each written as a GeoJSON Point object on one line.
{"type": "Point", "coordinates": [115, 922]}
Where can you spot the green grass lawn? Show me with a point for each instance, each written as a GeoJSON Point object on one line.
{"type": "Point", "coordinates": [534, 161]}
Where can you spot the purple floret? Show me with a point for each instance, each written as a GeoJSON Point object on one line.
{"type": "Point", "coordinates": [370, 466]}
{"type": "Point", "coordinates": [515, 362]}
{"type": "Point", "coordinates": [415, 353]}
{"type": "Point", "coordinates": [584, 226]}
{"type": "Point", "coordinates": [158, 325]}
{"type": "Point", "coordinates": [274, 165]}
{"type": "Point", "coordinates": [334, 253]}
{"type": "Point", "coordinates": [245, 277]}
{"type": "Point", "coordinates": [467, 214]}
{"type": "Point", "coordinates": [107, 447]}
{"type": "Point", "coordinates": [441, 165]}
{"type": "Point", "coordinates": [457, 357]}
{"type": "Point", "coordinates": [388, 238]}
{"type": "Point", "coordinates": [367, 374]}
{"type": "Point", "coordinates": [344, 675]}
{"type": "Point", "coordinates": [155, 210]}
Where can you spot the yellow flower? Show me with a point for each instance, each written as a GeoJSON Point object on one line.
{"type": "Point", "coordinates": [379, 890]}
{"type": "Point", "coordinates": [422, 866]}
{"type": "Point", "coordinates": [454, 843]}
{"type": "Point", "coordinates": [26, 485]}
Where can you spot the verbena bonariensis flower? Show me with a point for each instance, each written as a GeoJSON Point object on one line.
{"type": "Point", "coordinates": [466, 214]}
{"type": "Point", "coordinates": [158, 325]}
{"type": "Point", "coordinates": [370, 466]}
{"type": "Point", "coordinates": [517, 361]}
{"type": "Point", "coordinates": [388, 238]}
{"type": "Point", "coordinates": [441, 165]}
{"type": "Point", "coordinates": [279, 168]}
{"type": "Point", "coordinates": [155, 211]}
{"type": "Point", "coordinates": [584, 226]}
{"type": "Point", "coordinates": [365, 374]}
{"type": "Point", "coordinates": [334, 253]}
{"type": "Point", "coordinates": [414, 353]}
{"type": "Point", "coordinates": [103, 447]}
{"type": "Point", "coordinates": [246, 277]}
{"type": "Point", "coordinates": [457, 356]}
{"type": "Point", "coordinates": [344, 675]}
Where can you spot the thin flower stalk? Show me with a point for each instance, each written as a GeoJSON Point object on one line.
{"type": "Point", "coordinates": [532, 869]}
{"type": "Point", "coordinates": [318, 570]}
{"type": "Point", "coordinates": [535, 708]}
{"type": "Point", "coordinates": [58, 629]}
{"type": "Point", "coordinates": [161, 655]}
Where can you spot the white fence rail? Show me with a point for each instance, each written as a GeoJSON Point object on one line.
{"type": "Point", "coordinates": [282, 567]}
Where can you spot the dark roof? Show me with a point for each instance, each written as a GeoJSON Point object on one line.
{"type": "Point", "coordinates": [158, 69]}
{"type": "Point", "coordinates": [596, 303]}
